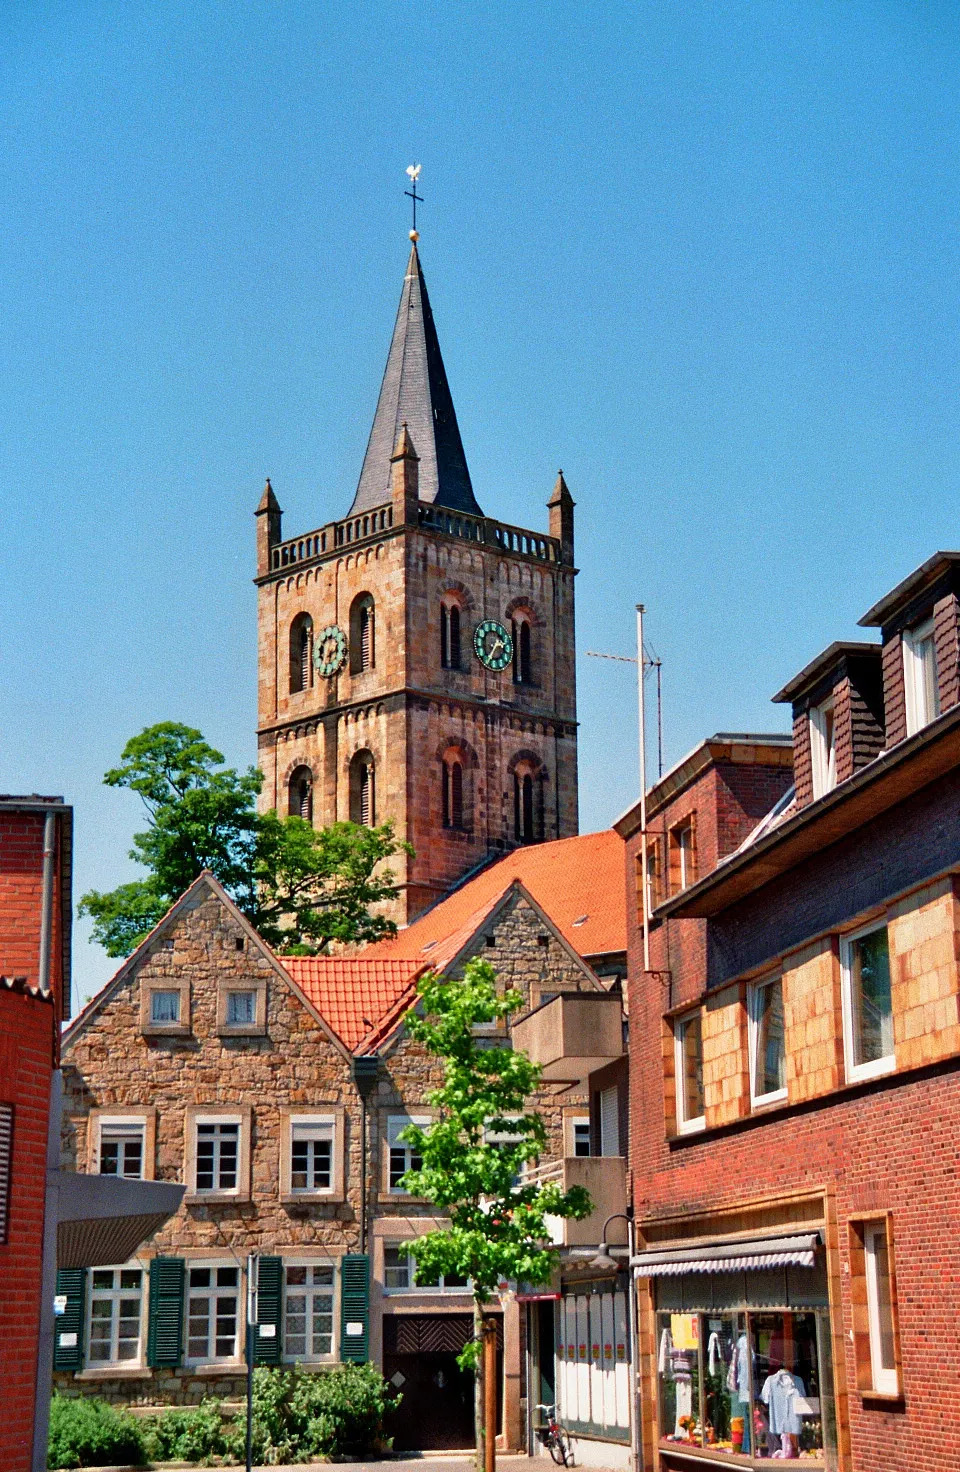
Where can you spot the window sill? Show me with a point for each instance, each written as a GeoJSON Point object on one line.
{"type": "Point", "coordinates": [313, 1198]}
{"type": "Point", "coordinates": [884, 1400]}
{"type": "Point", "coordinates": [241, 1030]}
{"type": "Point", "coordinates": [223, 1367]}
{"type": "Point", "coordinates": [216, 1198]}
{"type": "Point", "coordinates": [115, 1372]}
{"type": "Point", "coordinates": [157, 1031]}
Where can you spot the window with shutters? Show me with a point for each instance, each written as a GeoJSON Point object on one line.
{"type": "Point", "coordinates": [355, 1307]}
{"type": "Point", "coordinates": [69, 1323]}
{"type": "Point", "coordinates": [400, 1155]}
{"type": "Point", "coordinates": [363, 803]}
{"type": "Point", "coordinates": [450, 634]}
{"type": "Point", "coordinates": [115, 1316]}
{"type": "Point", "coordinates": [308, 1311]}
{"type": "Point", "coordinates": [122, 1148]}
{"type": "Point", "coordinates": [301, 653]}
{"type": "Point", "coordinates": [363, 634]}
{"type": "Point", "coordinates": [6, 1167]}
{"type": "Point", "coordinates": [213, 1313]}
{"type": "Point", "coordinates": [165, 1320]}
{"type": "Point", "coordinates": [578, 1135]}
{"type": "Point", "coordinates": [300, 794]}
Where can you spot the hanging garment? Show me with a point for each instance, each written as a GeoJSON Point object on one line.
{"type": "Point", "coordinates": [664, 1357]}
{"type": "Point", "coordinates": [714, 1353]}
{"type": "Point", "coordinates": [779, 1394]}
{"type": "Point", "coordinates": [743, 1369]}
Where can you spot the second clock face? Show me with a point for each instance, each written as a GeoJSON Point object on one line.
{"type": "Point", "coordinates": [329, 651]}
{"type": "Point", "coordinates": [492, 644]}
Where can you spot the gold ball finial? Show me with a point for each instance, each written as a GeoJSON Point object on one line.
{"type": "Point", "coordinates": [414, 236]}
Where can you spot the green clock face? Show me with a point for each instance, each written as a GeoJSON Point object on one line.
{"type": "Point", "coordinates": [329, 651]}
{"type": "Point", "coordinates": [492, 644]}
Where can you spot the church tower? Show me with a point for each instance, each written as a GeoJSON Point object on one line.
{"type": "Point", "coordinates": [416, 658]}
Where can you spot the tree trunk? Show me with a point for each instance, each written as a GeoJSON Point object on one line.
{"type": "Point", "coordinates": [478, 1387]}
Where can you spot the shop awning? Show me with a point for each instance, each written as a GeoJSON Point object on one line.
{"type": "Point", "coordinates": [729, 1257]}
{"type": "Point", "coordinates": [102, 1220]}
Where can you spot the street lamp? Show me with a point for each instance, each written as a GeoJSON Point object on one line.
{"type": "Point", "coordinates": [605, 1261]}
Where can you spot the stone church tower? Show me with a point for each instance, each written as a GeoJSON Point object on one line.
{"type": "Point", "coordinates": [416, 658]}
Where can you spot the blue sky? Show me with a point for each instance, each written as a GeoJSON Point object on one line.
{"type": "Point", "coordinates": [701, 254]}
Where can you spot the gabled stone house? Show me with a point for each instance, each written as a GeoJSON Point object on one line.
{"type": "Point", "coordinates": [275, 1091]}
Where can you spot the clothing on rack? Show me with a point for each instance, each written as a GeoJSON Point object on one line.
{"type": "Point", "coordinates": [779, 1394]}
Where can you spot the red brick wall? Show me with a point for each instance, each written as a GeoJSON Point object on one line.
{"type": "Point", "coordinates": [894, 695]}
{"type": "Point", "coordinates": [27, 1028]}
{"type": "Point", "coordinates": [21, 884]}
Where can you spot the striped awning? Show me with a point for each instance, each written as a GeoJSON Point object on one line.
{"type": "Point", "coordinates": [729, 1257]}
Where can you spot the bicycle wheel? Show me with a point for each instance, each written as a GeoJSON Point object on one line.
{"type": "Point", "coordinates": [560, 1449]}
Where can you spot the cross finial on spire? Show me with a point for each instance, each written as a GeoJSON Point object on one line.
{"type": "Point", "coordinates": [413, 172]}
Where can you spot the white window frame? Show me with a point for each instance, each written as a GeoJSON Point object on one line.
{"type": "Point", "coordinates": [311, 1291]}
{"type": "Point", "coordinates": [231, 1121]}
{"type": "Point", "coordinates": [914, 683]}
{"type": "Point", "coordinates": [214, 1266]}
{"type": "Point", "coordinates": [684, 1125]}
{"type": "Point", "coordinates": [823, 753]}
{"type": "Point", "coordinates": [580, 1126]}
{"type": "Point", "coordinates": [885, 1381]}
{"type": "Point", "coordinates": [856, 1072]}
{"type": "Point", "coordinates": [772, 1096]}
{"type": "Point", "coordinates": [412, 1285]}
{"type": "Point", "coordinates": [113, 1296]}
{"type": "Point", "coordinates": [124, 1128]}
{"type": "Point", "coordinates": [313, 1128]}
{"type": "Point", "coordinates": [396, 1123]}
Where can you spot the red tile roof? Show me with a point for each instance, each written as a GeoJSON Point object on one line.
{"type": "Point", "coordinates": [352, 993]}
{"type": "Point", "coordinates": [579, 882]}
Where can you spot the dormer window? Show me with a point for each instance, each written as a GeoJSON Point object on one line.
{"type": "Point", "coordinates": [920, 676]}
{"type": "Point", "coordinates": [823, 753]}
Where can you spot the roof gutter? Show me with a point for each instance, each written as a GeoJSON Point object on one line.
{"type": "Point", "coordinates": [920, 759]}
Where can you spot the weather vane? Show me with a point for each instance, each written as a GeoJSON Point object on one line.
{"type": "Point", "coordinates": [413, 172]}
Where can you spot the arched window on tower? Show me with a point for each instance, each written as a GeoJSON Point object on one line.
{"type": "Point", "coordinates": [300, 790]}
{"type": "Point", "coordinates": [528, 804]}
{"type": "Point", "coordinates": [453, 793]}
{"type": "Point", "coordinates": [301, 653]}
{"type": "Point", "coordinates": [521, 629]}
{"type": "Point", "coordinates": [450, 635]}
{"type": "Point", "coordinates": [363, 648]}
{"type": "Point", "coordinates": [363, 803]}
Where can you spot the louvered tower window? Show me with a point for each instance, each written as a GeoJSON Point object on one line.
{"type": "Point", "coordinates": [363, 644]}
{"type": "Point", "coordinates": [522, 661]}
{"type": "Point", "coordinates": [452, 794]}
{"type": "Point", "coordinates": [301, 794]}
{"type": "Point", "coordinates": [450, 636]}
{"type": "Point", "coordinates": [527, 811]}
{"type": "Point", "coordinates": [363, 804]}
{"type": "Point", "coordinates": [301, 653]}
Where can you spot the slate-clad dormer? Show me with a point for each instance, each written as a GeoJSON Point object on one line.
{"type": "Point", "coordinates": [838, 722]}
{"type": "Point", "coordinates": [920, 630]}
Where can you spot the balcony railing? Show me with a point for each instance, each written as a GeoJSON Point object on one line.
{"type": "Point", "coordinates": [605, 1177]}
{"type": "Point", "coordinates": [573, 1035]}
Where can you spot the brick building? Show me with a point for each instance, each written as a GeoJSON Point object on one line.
{"type": "Point", "coordinates": [795, 1042]}
{"type": "Point", "coordinates": [416, 659]}
{"type": "Point", "coordinates": [35, 853]}
{"type": "Point", "coordinates": [274, 1091]}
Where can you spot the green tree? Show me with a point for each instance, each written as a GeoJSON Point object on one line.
{"type": "Point", "coordinates": [475, 1153]}
{"type": "Point", "coordinates": [301, 888]}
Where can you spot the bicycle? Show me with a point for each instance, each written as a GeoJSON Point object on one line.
{"type": "Point", "coordinates": [555, 1438]}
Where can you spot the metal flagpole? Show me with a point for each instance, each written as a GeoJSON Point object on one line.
{"type": "Point", "coordinates": [641, 715]}
{"type": "Point", "coordinates": [253, 1275]}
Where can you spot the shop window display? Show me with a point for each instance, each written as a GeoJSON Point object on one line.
{"type": "Point", "coordinates": [751, 1384]}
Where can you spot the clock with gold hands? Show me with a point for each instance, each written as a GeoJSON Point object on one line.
{"type": "Point", "coordinates": [329, 651]}
{"type": "Point", "coordinates": [492, 644]}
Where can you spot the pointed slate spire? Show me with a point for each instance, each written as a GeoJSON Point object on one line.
{"type": "Point", "coordinates": [415, 391]}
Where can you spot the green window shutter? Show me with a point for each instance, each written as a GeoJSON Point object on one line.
{"type": "Point", "coordinates": [266, 1348]}
{"type": "Point", "coordinates": [355, 1307]}
{"type": "Point", "coordinates": [165, 1330]}
{"type": "Point", "coordinates": [71, 1284]}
